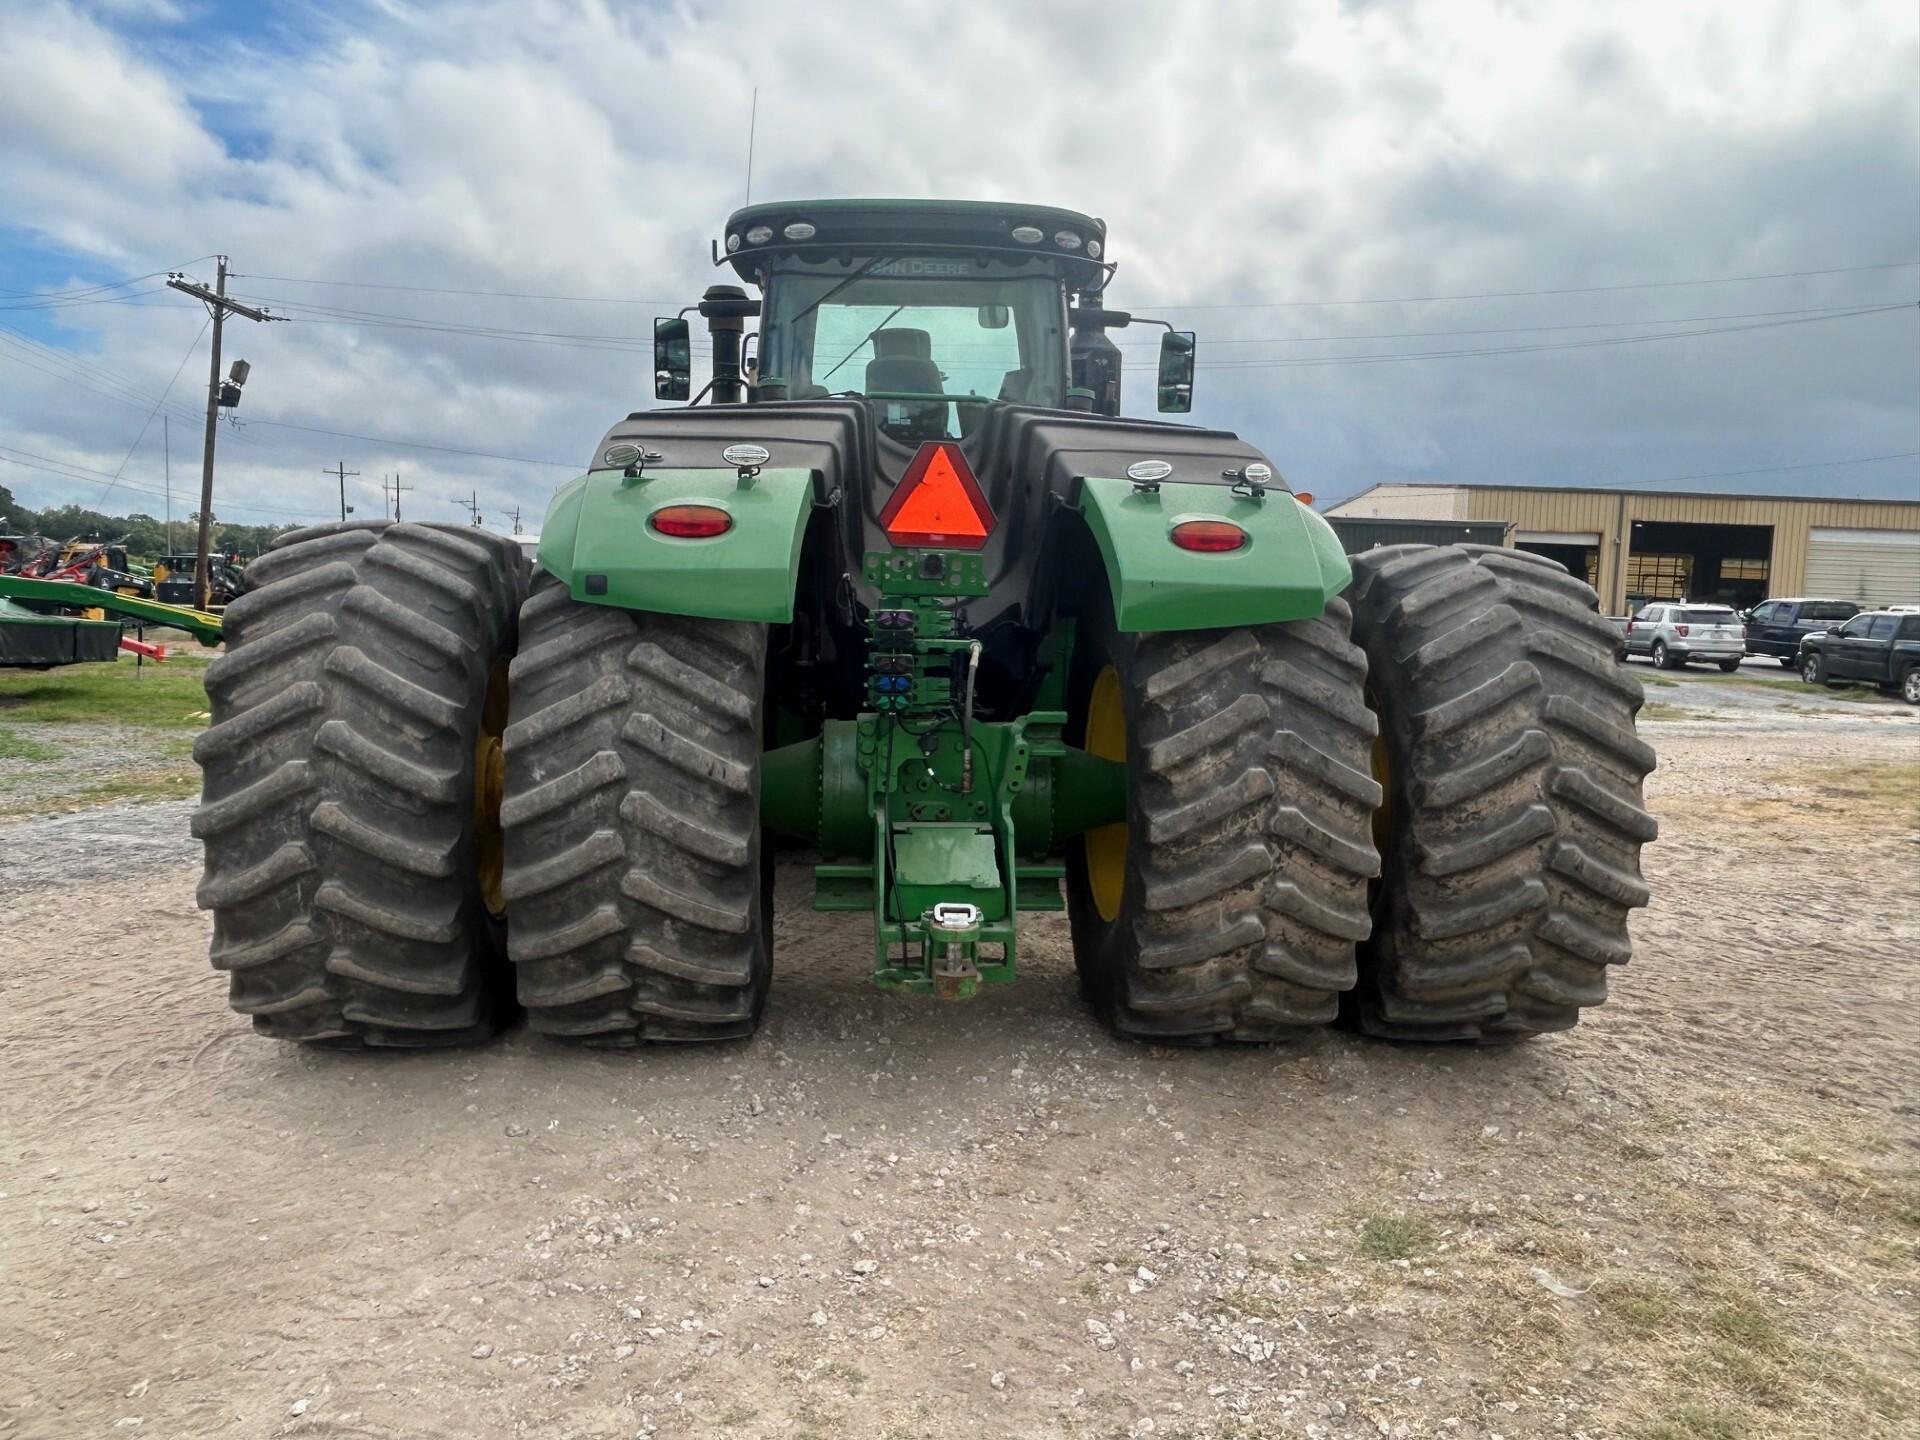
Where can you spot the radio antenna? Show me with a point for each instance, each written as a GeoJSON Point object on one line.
{"type": "Point", "coordinates": [753, 120]}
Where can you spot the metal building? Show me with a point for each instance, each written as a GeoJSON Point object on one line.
{"type": "Point", "coordinates": [1634, 546]}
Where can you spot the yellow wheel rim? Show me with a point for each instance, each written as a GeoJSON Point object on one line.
{"type": "Point", "coordinates": [1106, 848]}
{"type": "Point", "coordinates": [489, 783]}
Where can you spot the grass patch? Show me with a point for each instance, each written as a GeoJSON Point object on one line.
{"type": "Point", "coordinates": [130, 788]}
{"type": "Point", "coordinates": [1654, 710]}
{"type": "Point", "coordinates": [15, 746]}
{"type": "Point", "coordinates": [155, 697]}
{"type": "Point", "coordinates": [1748, 1326]}
{"type": "Point", "coordinates": [1394, 1237]}
{"type": "Point", "coordinates": [1251, 1302]}
{"type": "Point", "coordinates": [1701, 1422]}
{"type": "Point", "coordinates": [1659, 682]}
{"type": "Point", "coordinates": [1784, 686]}
{"type": "Point", "coordinates": [851, 1376]}
{"type": "Point", "coordinates": [1637, 1309]}
{"type": "Point", "coordinates": [1895, 786]}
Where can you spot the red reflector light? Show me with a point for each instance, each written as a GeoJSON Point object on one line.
{"type": "Point", "coordinates": [691, 522]}
{"type": "Point", "coordinates": [1210, 537]}
{"type": "Point", "coordinates": [938, 503]}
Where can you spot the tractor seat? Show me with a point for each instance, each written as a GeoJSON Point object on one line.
{"type": "Point", "coordinates": [904, 341]}
{"type": "Point", "coordinates": [904, 372]}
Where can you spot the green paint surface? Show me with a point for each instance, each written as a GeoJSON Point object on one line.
{"type": "Point", "coordinates": [1290, 568]}
{"type": "Point", "coordinates": [597, 526]}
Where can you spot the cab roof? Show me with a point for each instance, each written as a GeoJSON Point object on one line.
{"type": "Point", "coordinates": [865, 227]}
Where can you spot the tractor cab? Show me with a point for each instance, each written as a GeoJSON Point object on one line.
{"type": "Point", "coordinates": [931, 311]}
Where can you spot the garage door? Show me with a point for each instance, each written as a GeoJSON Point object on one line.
{"type": "Point", "coordinates": [1873, 567]}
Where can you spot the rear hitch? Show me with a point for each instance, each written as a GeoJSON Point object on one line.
{"type": "Point", "coordinates": [953, 932]}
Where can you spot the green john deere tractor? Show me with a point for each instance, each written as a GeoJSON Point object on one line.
{"type": "Point", "coordinates": [908, 591]}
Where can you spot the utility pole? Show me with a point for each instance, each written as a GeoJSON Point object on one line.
{"type": "Point", "coordinates": [470, 502]}
{"type": "Point", "coordinates": [342, 473]}
{"type": "Point", "coordinates": [166, 453]}
{"type": "Point", "coordinates": [217, 302]}
{"type": "Point", "coordinates": [515, 515]}
{"type": "Point", "coordinates": [393, 490]}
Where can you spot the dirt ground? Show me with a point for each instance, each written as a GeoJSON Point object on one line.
{"type": "Point", "coordinates": [1697, 1217]}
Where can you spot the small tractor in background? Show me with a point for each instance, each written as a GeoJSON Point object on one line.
{"type": "Point", "coordinates": [173, 579]}
{"type": "Point", "coordinates": [911, 592]}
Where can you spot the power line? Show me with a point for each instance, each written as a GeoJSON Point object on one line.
{"type": "Point", "coordinates": [52, 363]}
{"type": "Point", "coordinates": [34, 299]}
{"type": "Point", "coordinates": [1343, 360]}
{"type": "Point", "coordinates": [1198, 305]}
{"type": "Point", "coordinates": [1529, 294]}
{"type": "Point", "coordinates": [70, 470]}
{"type": "Point", "coordinates": [418, 445]}
{"type": "Point", "coordinates": [1775, 469]}
{"type": "Point", "coordinates": [150, 414]}
{"type": "Point", "coordinates": [1211, 343]}
{"type": "Point", "coordinates": [444, 290]}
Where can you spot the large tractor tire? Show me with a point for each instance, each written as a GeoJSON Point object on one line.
{"type": "Point", "coordinates": [1514, 815]}
{"type": "Point", "coordinates": [1228, 905]}
{"type": "Point", "coordinates": [351, 866]}
{"type": "Point", "coordinates": [640, 888]}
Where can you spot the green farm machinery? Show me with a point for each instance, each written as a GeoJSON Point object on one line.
{"type": "Point", "coordinates": [908, 591]}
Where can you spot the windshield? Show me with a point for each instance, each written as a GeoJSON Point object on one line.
{"type": "Point", "coordinates": [895, 326]}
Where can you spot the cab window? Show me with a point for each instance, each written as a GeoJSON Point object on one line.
{"type": "Point", "coordinates": [1881, 627]}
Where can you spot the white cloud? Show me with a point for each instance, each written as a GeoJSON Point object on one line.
{"type": "Point", "coordinates": [1242, 151]}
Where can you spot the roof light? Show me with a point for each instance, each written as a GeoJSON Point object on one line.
{"type": "Point", "coordinates": [1305, 497]}
{"type": "Point", "coordinates": [691, 522]}
{"type": "Point", "coordinates": [799, 230]}
{"type": "Point", "coordinates": [938, 502]}
{"type": "Point", "coordinates": [1066, 239]}
{"type": "Point", "coordinates": [733, 243]}
{"type": "Point", "coordinates": [1209, 537]}
{"type": "Point", "coordinates": [1027, 234]}
{"type": "Point", "coordinates": [1093, 249]}
{"type": "Point", "coordinates": [759, 234]}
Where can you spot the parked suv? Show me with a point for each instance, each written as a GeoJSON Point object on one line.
{"type": "Point", "coordinates": [1673, 633]}
{"type": "Point", "coordinates": [1777, 627]}
{"type": "Point", "coordinates": [1877, 647]}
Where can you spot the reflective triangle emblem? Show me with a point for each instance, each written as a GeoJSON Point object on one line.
{"type": "Point", "coordinates": [938, 503]}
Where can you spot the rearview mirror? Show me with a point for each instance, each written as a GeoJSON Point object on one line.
{"type": "Point", "coordinates": [1175, 386]}
{"type": "Point", "coordinates": [672, 360]}
{"type": "Point", "coordinates": [994, 317]}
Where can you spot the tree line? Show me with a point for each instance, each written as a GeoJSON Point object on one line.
{"type": "Point", "coordinates": [145, 535]}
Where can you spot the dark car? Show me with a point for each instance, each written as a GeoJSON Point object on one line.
{"type": "Point", "coordinates": [1877, 647]}
{"type": "Point", "coordinates": [1777, 627]}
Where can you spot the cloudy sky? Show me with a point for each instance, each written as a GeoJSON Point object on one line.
{"type": "Point", "coordinates": [1420, 241]}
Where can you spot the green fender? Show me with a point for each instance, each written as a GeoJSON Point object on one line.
{"type": "Point", "coordinates": [1290, 567]}
{"type": "Point", "coordinates": [597, 539]}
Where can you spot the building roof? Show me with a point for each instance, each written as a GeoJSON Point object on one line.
{"type": "Point", "coordinates": [1445, 486]}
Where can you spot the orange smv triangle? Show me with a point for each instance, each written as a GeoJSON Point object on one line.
{"type": "Point", "coordinates": [938, 502]}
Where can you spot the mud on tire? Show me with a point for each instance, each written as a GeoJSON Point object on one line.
{"type": "Point", "coordinates": [1515, 813]}
{"type": "Point", "coordinates": [337, 804]}
{"type": "Point", "coordinates": [1249, 845]}
{"type": "Point", "coordinates": [639, 888]}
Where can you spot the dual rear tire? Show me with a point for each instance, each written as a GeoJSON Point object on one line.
{"type": "Point", "coordinates": [1422, 810]}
